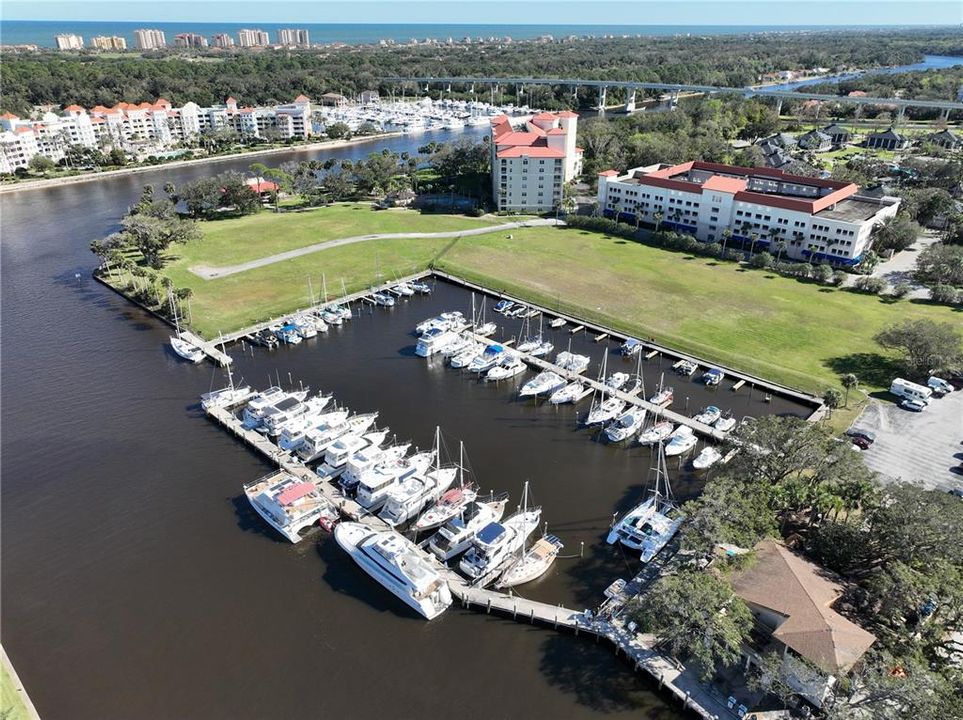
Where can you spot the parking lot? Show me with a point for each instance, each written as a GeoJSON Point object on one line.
{"type": "Point", "coordinates": [922, 447]}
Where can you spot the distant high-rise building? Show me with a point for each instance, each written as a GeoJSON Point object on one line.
{"type": "Point", "coordinates": [293, 36]}
{"type": "Point", "coordinates": [190, 40]}
{"type": "Point", "coordinates": [69, 42]}
{"type": "Point", "coordinates": [222, 40]}
{"type": "Point", "coordinates": [108, 42]}
{"type": "Point", "coordinates": [149, 39]}
{"type": "Point", "coordinates": [252, 38]}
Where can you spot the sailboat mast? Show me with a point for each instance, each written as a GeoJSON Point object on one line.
{"type": "Point", "coordinates": [438, 448]}
{"type": "Point", "coordinates": [324, 288]}
{"type": "Point", "coordinates": [461, 463]}
{"type": "Point", "coordinates": [310, 291]}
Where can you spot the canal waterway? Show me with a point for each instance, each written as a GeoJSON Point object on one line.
{"type": "Point", "coordinates": [929, 62]}
{"type": "Point", "coordinates": [138, 583]}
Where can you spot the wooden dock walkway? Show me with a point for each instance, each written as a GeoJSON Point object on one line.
{"type": "Point", "coordinates": [540, 364]}
{"type": "Point", "coordinates": [637, 648]}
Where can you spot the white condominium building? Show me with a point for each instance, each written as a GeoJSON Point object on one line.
{"type": "Point", "coordinates": [252, 38]}
{"type": "Point", "coordinates": [190, 40]}
{"type": "Point", "coordinates": [293, 37]}
{"type": "Point", "coordinates": [530, 164]}
{"type": "Point", "coordinates": [108, 42]}
{"type": "Point", "coordinates": [149, 39]}
{"type": "Point", "coordinates": [69, 42]}
{"type": "Point", "coordinates": [803, 218]}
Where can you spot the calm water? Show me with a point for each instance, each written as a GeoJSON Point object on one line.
{"type": "Point", "coordinates": [929, 62]}
{"type": "Point", "coordinates": [42, 32]}
{"type": "Point", "coordinates": [137, 584]}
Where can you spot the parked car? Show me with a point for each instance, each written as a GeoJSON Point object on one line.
{"type": "Point", "coordinates": [956, 379]}
{"type": "Point", "coordinates": [860, 442]}
{"type": "Point", "coordinates": [938, 385]}
{"type": "Point", "coordinates": [914, 405]}
{"type": "Point", "coordinates": [867, 436]}
{"type": "Point", "coordinates": [956, 491]}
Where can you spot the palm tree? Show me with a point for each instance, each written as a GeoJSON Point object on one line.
{"type": "Point", "coordinates": [780, 246]}
{"type": "Point", "coordinates": [850, 381]}
{"type": "Point", "coordinates": [658, 217]}
{"type": "Point", "coordinates": [726, 235]}
{"type": "Point", "coordinates": [753, 237]}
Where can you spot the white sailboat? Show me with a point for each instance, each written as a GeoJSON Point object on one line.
{"type": "Point", "coordinates": [649, 526]}
{"type": "Point", "coordinates": [183, 347]}
{"type": "Point", "coordinates": [606, 408]}
{"type": "Point", "coordinates": [508, 367]}
{"type": "Point", "coordinates": [626, 425]}
{"type": "Point", "coordinates": [226, 396]}
{"type": "Point", "coordinates": [495, 544]}
{"type": "Point", "coordinates": [571, 393]}
{"type": "Point", "coordinates": [533, 562]}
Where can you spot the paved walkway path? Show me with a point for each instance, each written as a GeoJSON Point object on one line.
{"type": "Point", "coordinates": [209, 273]}
{"type": "Point", "coordinates": [900, 267]}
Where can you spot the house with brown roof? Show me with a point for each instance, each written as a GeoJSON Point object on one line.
{"type": "Point", "coordinates": [792, 602]}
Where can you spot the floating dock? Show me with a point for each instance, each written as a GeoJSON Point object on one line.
{"type": "Point", "coordinates": [637, 648]}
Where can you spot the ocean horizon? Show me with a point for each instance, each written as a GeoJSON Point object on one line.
{"type": "Point", "coordinates": [42, 32]}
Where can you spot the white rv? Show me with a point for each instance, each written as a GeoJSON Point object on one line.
{"type": "Point", "coordinates": [910, 390]}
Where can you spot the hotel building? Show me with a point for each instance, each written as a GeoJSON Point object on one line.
{"type": "Point", "coordinates": [530, 164]}
{"type": "Point", "coordinates": [149, 39]}
{"type": "Point", "coordinates": [69, 42]}
{"type": "Point", "coordinates": [252, 38]}
{"type": "Point", "coordinates": [294, 37]}
{"type": "Point", "coordinates": [108, 42]}
{"type": "Point", "coordinates": [813, 219]}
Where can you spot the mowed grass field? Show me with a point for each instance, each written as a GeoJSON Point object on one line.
{"type": "Point", "coordinates": [11, 706]}
{"type": "Point", "coordinates": [236, 301]}
{"type": "Point", "coordinates": [799, 334]}
{"type": "Point", "coordinates": [237, 240]}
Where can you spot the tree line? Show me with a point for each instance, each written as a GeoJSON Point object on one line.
{"type": "Point", "coordinates": [272, 76]}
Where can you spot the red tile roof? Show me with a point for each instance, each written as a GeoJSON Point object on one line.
{"type": "Point", "coordinates": [567, 114]}
{"type": "Point", "coordinates": [262, 186]}
{"type": "Point", "coordinates": [518, 138]}
{"type": "Point", "coordinates": [22, 130]}
{"type": "Point", "coordinates": [555, 131]}
{"type": "Point", "coordinates": [73, 108]}
{"type": "Point", "coordinates": [609, 173]}
{"type": "Point", "coordinates": [544, 116]}
{"type": "Point", "coordinates": [9, 116]}
{"type": "Point", "coordinates": [302, 99]}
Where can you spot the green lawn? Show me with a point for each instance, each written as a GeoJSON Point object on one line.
{"type": "Point", "coordinates": [800, 334]}
{"type": "Point", "coordinates": [11, 706]}
{"type": "Point", "coordinates": [237, 240]}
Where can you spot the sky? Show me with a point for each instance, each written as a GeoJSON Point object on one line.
{"type": "Point", "coordinates": [499, 12]}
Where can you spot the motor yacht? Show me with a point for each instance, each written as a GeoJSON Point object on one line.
{"type": "Point", "coordinates": [631, 347]}
{"type": "Point", "coordinates": [318, 440]}
{"type": "Point", "coordinates": [460, 344]}
{"type": "Point", "coordinates": [403, 289]}
{"type": "Point", "coordinates": [264, 338]}
{"type": "Point", "coordinates": [410, 496]}
{"type": "Point", "coordinates": [288, 333]}
{"type": "Point", "coordinates": [712, 377]}
{"type": "Point", "coordinates": [503, 306]}
{"type": "Point", "coordinates": [337, 453]}
{"type": "Point", "coordinates": [725, 424]}
{"type": "Point", "coordinates": [288, 410]}
{"type": "Point", "coordinates": [508, 367]}
{"type": "Point", "coordinates": [265, 400]}
{"type": "Point", "coordinates": [363, 460]}
{"type": "Point", "coordinates": [287, 504]}
{"type": "Point", "coordinates": [495, 544]}
{"type": "Point", "coordinates": [375, 484]}
{"type": "Point", "coordinates": [545, 383]}
{"type": "Point", "coordinates": [685, 367]}
{"type": "Point", "coordinates": [464, 358]}
{"type": "Point", "coordinates": [617, 381]}
{"type": "Point", "coordinates": [446, 321]}
{"type": "Point", "coordinates": [307, 325]}
{"type": "Point", "coordinates": [681, 441]}
{"type": "Point", "coordinates": [330, 317]}
{"type": "Point", "coordinates": [707, 458]}
{"type": "Point", "coordinates": [383, 299]}
{"type": "Point", "coordinates": [422, 288]}
{"type": "Point", "coordinates": [433, 340]}
{"type": "Point", "coordinates": [709, 415]}
{"type": "Point", "coordinates": [398, 565]}
{"type": "Point", "coordinates": [490, 357]}
{"type": "Point", "coordinates": [296, 435]}
{"type": "Point", "coordinates": [557, 323]}
{"type": "Point", "coordinates": [457, 534]}
{"type": "Point", "coordinates": [625, 425]}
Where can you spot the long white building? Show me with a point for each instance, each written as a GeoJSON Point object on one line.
{"type": "Point", "coordinates": [144, 128]}
{"type": "Point", "coordinates": [817, 220]}
{"type": "Point", "coordinates": [530, 164]}
{"type": "Point", "coordinates": [149, 39]}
